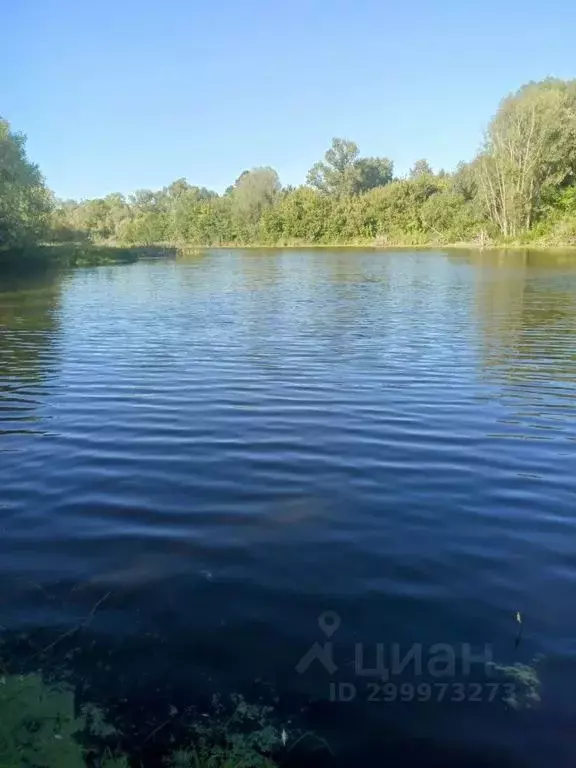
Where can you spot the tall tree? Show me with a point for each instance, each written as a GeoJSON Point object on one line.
{"type": "Point", "coordinates": [25, 203]}
{"type": "Point", "coordinates": [530, 146]}
{"type": "Point", "coordinates": [338, 174]}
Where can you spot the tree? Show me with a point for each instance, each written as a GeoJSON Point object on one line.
{"type": "Point", "coordinates": [25, 203]}
{"type": "Point", "coordinates": [530, 146]}
{"type": "Point", "coordinates": [253, 192]}
{"type": "Point", "coordinates": [421, 168]}
{"type": "Point", "coordinates": [373, 172]}
{"type": "Point", "coordinates": [177, 189]}
{"type": "Point", "coordinates": [465, 180]}
{"type": "Point", "coordinates": [180, 199]}
{"type": "Point", "coordinates": [448, 218]}
{"type": "Point", "coordinates": [146, 228]}
{"type": "Point", "coordinates": [147, 201]}
{"type": "Point", "coordinates": [344, 173]}
{"type": "Point", "coordinates": [300, 215]}
{"type": "Point", "coordinates": [338, 174]}
{"type": "Point", "coordinates": [118, 212]}
{"type": "Point", "coordinates": [523, 179]}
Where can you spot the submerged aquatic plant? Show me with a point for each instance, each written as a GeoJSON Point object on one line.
{"type": "Point", "coordinates": [524, 686]}
{"type": "Point", "coordinates": [240, 736]}
{"type": "Point", "coordinates": [225, 757]}
{"type": "Point", "coordinates": [42, 725]}
{"type": "Point", "coordinates": [39, 726]}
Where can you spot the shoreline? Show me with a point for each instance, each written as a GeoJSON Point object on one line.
{"type": "Point", "coordinates": [493, 247]}
{"type": "Point", "coordinates": [370, 246]}
{"type": "Point", "coordinates": [69, 255]}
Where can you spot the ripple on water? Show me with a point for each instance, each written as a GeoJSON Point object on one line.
{"type": "Point", "coordinates": [233, 445]}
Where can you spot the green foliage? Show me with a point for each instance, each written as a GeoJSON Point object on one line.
{"type": "Point", "coordinates": [530, 151]}
{"type": "Point", "coordinates": [337, 174]}
{"type": "Point", "coordinates": [146, 228]}
{"type": "Point", "coordinates": [253, 192]}
{"type": "Point", "coordinates": [25, 202]}
{"type": "Point", "coordinates": [449, 217]}
{"type": "Point", "coordinates": [465, 180]}
{"type": "Point", "coordinates": [396, 208]}
{"type": "Point", "coordinates": [39, 726]}
{"type": "Point", "coordinates": [520, 188]}
{"type": "Point", "coordinates": [421, 168]}
{"type": "Point", "coordinates": [184, 204]}
{"type": "Point", "coordinates": [243, 737]}
{"type": "Point", "coordinates": [344, 173]}
{"type": "Point", "coordinates": [373, 172]}
{"type": "Point", "coordinates": [299, 216]}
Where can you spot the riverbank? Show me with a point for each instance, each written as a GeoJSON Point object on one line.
{"type": "Point", "coordinates": [67, 255]}
{"type": "Point", "coordinates": [63, 255]}
{"type": "Point", "coordinates": [379, 244]}
{"type": "Point", "coordinates": [468, 246]}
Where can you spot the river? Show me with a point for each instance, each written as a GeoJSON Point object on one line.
{"type": "Point", "coordinates": [210, 465]}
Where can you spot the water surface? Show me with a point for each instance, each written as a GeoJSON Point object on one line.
{"type": "Point", "coordinates": [203, 457]}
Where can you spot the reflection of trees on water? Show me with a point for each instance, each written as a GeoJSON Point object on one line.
{"type": "Point", "coordinates": [526, 304]}
{"type": "Point", "coordinates": [28, 327]}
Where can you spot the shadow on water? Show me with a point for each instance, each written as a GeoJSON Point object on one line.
{"type": "Point", "coordinates": [83, 253]}
{"type": "Point", "coordinates": [29, 327]}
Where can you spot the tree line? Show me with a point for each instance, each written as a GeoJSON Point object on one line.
{"type": "Point", "coordinates": [521, 186]}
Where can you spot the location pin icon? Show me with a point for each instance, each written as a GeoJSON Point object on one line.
{"type": "Point", "coordinates": [329, 621]}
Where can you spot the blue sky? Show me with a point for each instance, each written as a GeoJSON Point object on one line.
{"type": "Point", "coordinates": [117, 95]}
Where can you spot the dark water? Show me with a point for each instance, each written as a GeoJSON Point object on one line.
{"type": "Point", "coordinates": [198, 459]}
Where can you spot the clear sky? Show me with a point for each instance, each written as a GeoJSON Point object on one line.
{"type": "Point", "coordinates": [117, 95]}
